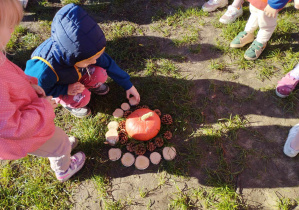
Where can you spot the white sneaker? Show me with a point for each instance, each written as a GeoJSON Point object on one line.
{"type": "Point", "coordinates": [78, 112]}
{"type": "Point", "coordinates": [231, 15]}
{"type": "Point", "coordinates": [287, 149]}
{"type": "Point", "coordinates": [212, 5]}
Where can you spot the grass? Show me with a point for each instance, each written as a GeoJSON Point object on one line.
{"type": "Point", "coordinates": [156, 43]}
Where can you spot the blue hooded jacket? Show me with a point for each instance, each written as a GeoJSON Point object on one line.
{"type": "Point", "coordinates": [75, 36]}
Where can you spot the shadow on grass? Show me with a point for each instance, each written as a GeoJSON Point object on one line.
{"type": "Point", "coordinates": [215, 141]}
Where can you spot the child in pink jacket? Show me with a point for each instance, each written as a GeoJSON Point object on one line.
{"type": "Point", "coordinates": [26, 114]}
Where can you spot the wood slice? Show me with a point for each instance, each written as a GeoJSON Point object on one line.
{"type": "Point", "coordinates": [114, 154]}
{"type": "Point", "coordinates": [142, 162]}
{"type": "Point", "coordinates": [169, 153]}
{"type": "Point", "coordinates": [128, 159]}
{"type": "Point", "coordinates": [118, 113]}
{"type": "Point", "coordinates": [133, 101]}
{"type": "Point", "coordinates": [112, 137]}
{"type": "Point", "coordinates": [125, 106]}
{"type": "Point", "coordinates": [155, 158]}
{"type": "Point", "coordinates": [113, 125]}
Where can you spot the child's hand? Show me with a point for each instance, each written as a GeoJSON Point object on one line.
{"type": "Point", "coordinates": [39, 90]}
{"type": "Point", "coordinates": [270, 12]}
{"type": "Point", "coordinates": [51, 101]}
{"type": "Point", "coordinates": [74, 89]}
{"type": "Point", "coordinates": [133, 91]}
{"type": "Point", "coordinates": [296, 4]}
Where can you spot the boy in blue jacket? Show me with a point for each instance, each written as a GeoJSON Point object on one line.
{"type": "Point", "coordinates": [72, 62]}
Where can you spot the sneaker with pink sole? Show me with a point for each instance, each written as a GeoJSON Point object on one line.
{"type": "Point", "coordinates": [231, 15]}
{"type": "Point", "coordinates": [286, 85]}
{"type": "Point", "coordinates": [77, 162]}
{"type": "Point", "coordinates": [212, 5]}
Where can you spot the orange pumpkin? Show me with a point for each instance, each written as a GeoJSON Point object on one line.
{"type": "Point", "coordinates": [143, 124]}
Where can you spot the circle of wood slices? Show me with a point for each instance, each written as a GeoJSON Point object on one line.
{"type": "Point", "coordinates": [169, 153]}
{"type": "Point", "coordinates": [142, 162]}
{"type": "Point", "coordinates": [125, 106]}
{"type": "Point", "coordinates": [155, 158]}
{"type": "Point", "coordinates": [128, 159]}
{"type": "Point", "coordinates": [114, 154]}
{"type": "Point", "coordinates": [112, 137]}
{"type": "Point", "coordinates": [113, 125]}
{"type": "Point", "coordinates": [133, 101]}
{"type": "Point", "coordinates": [118, 113]}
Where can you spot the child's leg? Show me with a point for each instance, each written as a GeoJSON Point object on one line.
{"type": "Point", "coordinates": [267, 26]}
{"type": "Point", "coordinates": [77, 101]}
{"type": "Point", "coordinates": [246, 36]}
{"type": "Point", "coordinates": [237, 3]}
{"type": "Point", "coordinates": [58, 150]}
{"type": "Point", "coordinates": [95, 78]}
{"type": "Point", "coordinates": [252, 23]}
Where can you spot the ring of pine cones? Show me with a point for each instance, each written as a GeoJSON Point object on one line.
{"type": "Point", "coordinates": [141, 148]}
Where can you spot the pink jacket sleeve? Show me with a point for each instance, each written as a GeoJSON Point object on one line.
{"type": "Point", "coordinates": [25, 124]}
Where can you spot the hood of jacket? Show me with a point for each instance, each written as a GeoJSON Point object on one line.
{"type": "Point", "coordinates": [75, 35]}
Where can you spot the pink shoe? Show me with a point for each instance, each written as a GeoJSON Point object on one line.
{"type": "Point", "coordinates": [77, 162]}
{"type": "Point", "coordinates": [286, 85]}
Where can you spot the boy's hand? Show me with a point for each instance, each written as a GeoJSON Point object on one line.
{"type": "Point", "coordinates": [39, 90]}
{"type": "Point", "coordinates": [296, 4]}
{"type": "Point", "coordinates": [133, 91]}
{"type": "Point", "coordinates": [74, 89]}
{"type": "Point", "coordinates": [270, 12]}
{"type": "Point", "coordinates": [51, 101]}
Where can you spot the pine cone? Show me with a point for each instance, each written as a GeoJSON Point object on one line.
{"type": "Point", "coordinates": [123, 136]}
{"type": "Point", "coordinates": [151, 146]}
{"type": "Point", "coordinates": [158, 112]}
{"type": "Point", "coordinates": [167, 135]}
{"type": "Point", "coordinates": [122, 125]}
{"type": "Point", "coordinates": [166, 119]}
{"type": "Point", "coordinates": [140, 149]}
{"type": "Point", "coordinates": [127, 113]}
{"type": "Point", "coordinates": [130, 147]}
{"type": "Point", "coordinates": [159, 142]}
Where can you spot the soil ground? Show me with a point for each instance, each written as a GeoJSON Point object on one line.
{"type": "Point", "coordinates": [259, 171]}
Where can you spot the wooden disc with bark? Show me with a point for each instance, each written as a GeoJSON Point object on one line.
{"type": "Point", "coordinates": [112, 137]}
{"type": "Point", "coordinates": [155, 158]}
{"type": "Point", "coordinates": [113, 125]}
{"type": "Point", "coordinates": [142, 162]}
{"type": "Point", "coordinates": [114, 154]}
{"type": "Point", "coordinates": [128, 159]}
{"type": "Point", "coordinates": [118, 113]}
{"type": "Point", "coordinates": [169, 153]}
{"type": "Point", "coordinates": [125, 106]}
